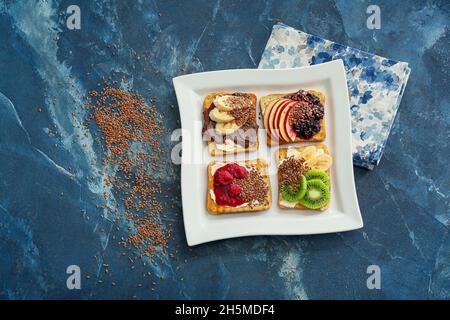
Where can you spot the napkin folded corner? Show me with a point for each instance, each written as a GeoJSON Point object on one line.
{"type": "Point", "coordinates": [375, 84]}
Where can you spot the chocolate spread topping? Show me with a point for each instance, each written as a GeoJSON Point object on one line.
{"type": "Point", "coordinates": [306, 116]}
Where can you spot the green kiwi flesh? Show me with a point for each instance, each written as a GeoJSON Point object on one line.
{"type": "Point", "coordinates": [318, 174]}
{"type": "Point", "coordinates": [294, 195]}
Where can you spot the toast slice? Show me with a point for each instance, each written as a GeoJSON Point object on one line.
{"type": "Point", "coordinates": [280, 155]}
{"type": "Point", "coordinates": [260, 166]}
{"type": "Point", "coordinates": [214, 150]}
{"type": "Point", "coordinates": [319, 136]}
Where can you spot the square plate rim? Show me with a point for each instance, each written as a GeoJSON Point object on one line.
{"type": "Point", "coordinates": [197, 234]}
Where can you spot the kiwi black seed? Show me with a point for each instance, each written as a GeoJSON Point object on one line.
{"type": "Point", "coordinates": [318, 174]}
{"type": "Point", "coordinates": [317, 195]}
{"type": "Point", "coordinates": [294, 194]}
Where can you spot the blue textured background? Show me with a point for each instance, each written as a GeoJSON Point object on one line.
{"type": "Point", "coordinates": [46, 69]}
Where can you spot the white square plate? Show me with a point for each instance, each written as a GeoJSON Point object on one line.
{"type": "Point", "coordinates": [343, 213]}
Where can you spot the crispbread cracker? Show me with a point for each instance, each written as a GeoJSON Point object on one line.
{"type": "Point", "coordinates": [213, 150]}
{"type": "Point", "coordinates": [319, 136]}
{"type": "Point", "coordinates": [282, 154]}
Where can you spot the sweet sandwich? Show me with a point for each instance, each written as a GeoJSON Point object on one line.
{"type": "Point", "coordinates": [304, 177]}
{"type": "Point", "coordinates": [294, 117]}
{"type": "Point", "coordinates": [229, 123]}
{"type": "Point", "coordinates": [234, 187]}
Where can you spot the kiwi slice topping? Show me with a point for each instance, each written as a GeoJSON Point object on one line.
{"type": "Point", "coordinates": [318, 174]}
{"type": "Point", "coordinates": [294, 194]}
{"type": "Point", "coordinates": [317, 195]}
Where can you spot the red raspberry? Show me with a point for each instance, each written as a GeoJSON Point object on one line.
{"type": "Point", "coordinates": [235, 190]}
{"type": "Point", "coordinates": [223, 177]}
{"type": "Point", "coordinates": [222, 196]}
{"type": "Point", "coordinates": [240, 172]}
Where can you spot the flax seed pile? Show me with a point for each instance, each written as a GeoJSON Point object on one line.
{"type": "Point", "coordinates": [128, 133]}
{"type": "Point", "coordinates": [291, 171]}
{"type": "Point", "coordinates": [253, 187]}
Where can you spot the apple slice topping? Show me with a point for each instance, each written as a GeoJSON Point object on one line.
{"type": "Point", "coordinates": [274, 117]}
{"type": "Point", "coordinates": [285, 127]}
{"type": "Point", "coordinates": [279, 116]}
{"type": "Point", "coordinates": [271, 108]}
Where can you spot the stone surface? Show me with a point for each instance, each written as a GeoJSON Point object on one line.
{"type": "Point", "coordinates": [46, 69]}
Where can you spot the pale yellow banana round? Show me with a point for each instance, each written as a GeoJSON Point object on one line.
{"type": "Point", "coordinates": [226, 128]}
{"type": "Point", "coordinates": [308, 153]}
{"type": "Point", "coordinates": [319, 152]}
{"type": "Point", "coordinates": [219, 116]}
{"type": "Point", "coordinates": [322, 162]}
{"type": "Point", "coordinates": [222, 103]}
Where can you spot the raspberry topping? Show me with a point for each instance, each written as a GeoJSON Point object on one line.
{"type": "Point", "coordinates": [240, 172]}
{"type": "Point", "coordinates": [226, 190]}
{"type": "Point", "coordinates": [223, 177]}
{"type": "Point", "coordinates": [235, 190]}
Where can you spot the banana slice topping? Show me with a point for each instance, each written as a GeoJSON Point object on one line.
{"type": "Point", "coordinates": [223, 103]}
{"type": "Point", "coordinates": [308, 153]}
{"type": "Point", "coordinates": [225, 128]}
{"type": "Point", "coordinates": [314, 157]}
{"type": "Point", "coordinates": [320, 161]}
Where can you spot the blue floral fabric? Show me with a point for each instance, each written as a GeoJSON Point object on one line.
{"type": "Point", "coordinates": [375, 84]}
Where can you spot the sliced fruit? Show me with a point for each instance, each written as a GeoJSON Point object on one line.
{"type": "Point", "coordinates": [226, 128]}
{"type": "Point", "coordinates": [220, 116]}
{"type": "Point", "coordinates": [290, 131]}
{"type": "Point", "coordinates": [294, 194]}
{"type": "Point", "coordinates": [308, 153]}
{"type": "Point", "coordinates": [317, 195]}
{"type": "Point", "coordinates": [267, 112]}
{"type": "Point", "coordinates": [318, 174]}
{"type": "Point", "coordinates": [319, 152]}
{"type": "Point", "coordinates": [287, 132]}
{"type": "Point", "coordinates": [269, 115]}
{"type": "Point", "coordinates": [222, 103]}
{"type": "Point", "coordinates": [275, 115]}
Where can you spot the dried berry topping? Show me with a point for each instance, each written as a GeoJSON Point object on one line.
{"type": "Point", "coordinates": [306, 115]}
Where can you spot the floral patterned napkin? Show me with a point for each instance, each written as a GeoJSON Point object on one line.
{"type": "Point", "coordinates": [375, 84]}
